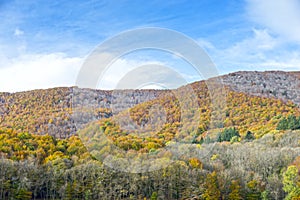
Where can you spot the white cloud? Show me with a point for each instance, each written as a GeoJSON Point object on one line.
{"type": "Point", "coordinates": [116, 71]}
{"type": "Point", "coordinates": [39, 71]}
{"type": "Point", "coordinates": [252, 48]}
{"type": "Point", "coordinates": [280, 16]}
{"type": "Point", "coordinates": [128, 73]}
{"type": "Point", "coordinates": [286, 61]}
{"type": "Point", "coordinates": [18, 32]}
{"type": "Point", "coordinates": [261, 51]}
{"type": "Point", "coordinates": [4, 61]}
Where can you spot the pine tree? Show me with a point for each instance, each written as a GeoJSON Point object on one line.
{"type": "Point", "coordinates": [227, 134]}
{"type": "Point", "coordinates": [282, 124]}
{"type": "Point", "coordinates": [249, 136]}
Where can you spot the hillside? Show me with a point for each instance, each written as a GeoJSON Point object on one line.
{"type": "Point", "coordinates": [71, 143]}
{"type": "Point", "coordinates": [58, 111]}
{"type": "Point", "coordinates": [62, 111]}
{"type": "Point", "coordinates": [245, 113]}
{"type": "Point", "coordinates": [273, 84]}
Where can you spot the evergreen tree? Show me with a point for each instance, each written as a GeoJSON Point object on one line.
{"type": "Point", "coordinates": [227, 134]}
{"type": "Point", "coordinates": [282, 124]}
{"type": "Point", "coordinates": [291, 122]}
{"type": "Point", "coordinates": [249, 136]}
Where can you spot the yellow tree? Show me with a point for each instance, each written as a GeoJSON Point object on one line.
{"type": "Point", "coordinates": [212, 191]}
{"type": "Point", "coordinates": [235, 193]}
{"type": "Point", "coordinates": [291, 183]}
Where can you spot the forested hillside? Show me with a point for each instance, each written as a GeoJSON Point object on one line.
{"type": "Point", "coordinates": [53, 111]}
{"type": "Point", "coordinates": [245, 113]}
{"type": "Point", "coordinates": [273, 84]}
{"type": "Point", "coordinates": [71, 143]}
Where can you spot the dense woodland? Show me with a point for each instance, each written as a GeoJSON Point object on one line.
{"type": "Point", "coordinates": [58, 144]}
{"type": "Point", "coordinates": [42, 167]}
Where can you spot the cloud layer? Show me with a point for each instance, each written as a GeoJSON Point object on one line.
{"type": "Point", "coordinates": [280, 16]}
{"type": "Point", "coordinates": [29, 72]}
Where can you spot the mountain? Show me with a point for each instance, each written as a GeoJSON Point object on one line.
{"type": "Point", "coordinates": [162, 120]}
{"type": "Point", "coordinates": [62, 111]}
{"type": "Point", "coordinates": [53, 111]}
{"type": "Point", "coordinates": [272, 84]}
{"type": "Point", "coordinates": [230, 137]}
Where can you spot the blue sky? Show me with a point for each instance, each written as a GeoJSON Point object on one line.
{"type": "Point", "coordinates": [44, 43]}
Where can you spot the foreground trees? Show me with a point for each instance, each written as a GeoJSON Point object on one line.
{"type": "Point", "coordinates": [41, 167]}
{"type": "Point", "coordinates": [291, 183]}
{"type": "Point", "coordinates": [211, 186]}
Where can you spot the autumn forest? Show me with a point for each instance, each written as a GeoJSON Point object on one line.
{"type": "Point", "coordinates": [74, 143]}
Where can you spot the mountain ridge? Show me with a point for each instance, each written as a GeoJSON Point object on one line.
{"type": "Point", "coordinates": [72, 143]}
{"type": "Point", "coordinates": [53, 110]}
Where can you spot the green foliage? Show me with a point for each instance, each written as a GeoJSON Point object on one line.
{"type": "Point", "coordinates": [291, 122]}
{"type": "Point", "coordinates": [264, 195]}
{"type": "Point", "coordinates": [282, 124]}
{"type": "Point", "coordinates": [249, 136]}
{"type": "Point", "coordinates": [154, 196]}
{"type": "Point", "coordinates": [234, 139]}
{"type": "Point", "coordinates": [23, 194]}
{"type": "Point", "coordinates": [291, 183]}
{"type": "Point", "coordinates": [227, 134]}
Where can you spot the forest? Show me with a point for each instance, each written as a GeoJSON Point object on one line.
{"type": "Point", "coordinates": [42, 167]}
{"type": "Point", "coordinates": [56, 146]}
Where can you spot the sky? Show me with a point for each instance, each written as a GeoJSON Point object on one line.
{"type": "Point", "coordinates": [44, 44]}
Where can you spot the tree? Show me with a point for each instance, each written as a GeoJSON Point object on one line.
{"type": "Point", "coordinates": [212, 191]}
{"type": "Point", "coordinates": [234, 139]}
{"type": "Point", "coordinates": [235, 191]}
{"type": "Point", "coordinates": [195, 163]}
{"type": "Point", "coordinates": [249, 136]}
{"type": "Point", "coordinates": [154, 196]}
{"type": "Point", "coordinates": [291, 183]}
{"type": "Point", "coordinates": [264, 195]}
{"type": "Point", "coordinates": [23, 194]}
{"type": "Point", "coordinates": [227, 134]}
{"type": "Point", "coordinates": [253, 191]}
{"type": "Point", "coordinates": [291, 122]}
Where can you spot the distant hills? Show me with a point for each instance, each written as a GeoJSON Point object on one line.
{"type": "Point", "coordinates": [272, 84]}
{"type": "Point", "coordinates": [51, 111]}
{"type": "Point", "coordinates": [254, 99]}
